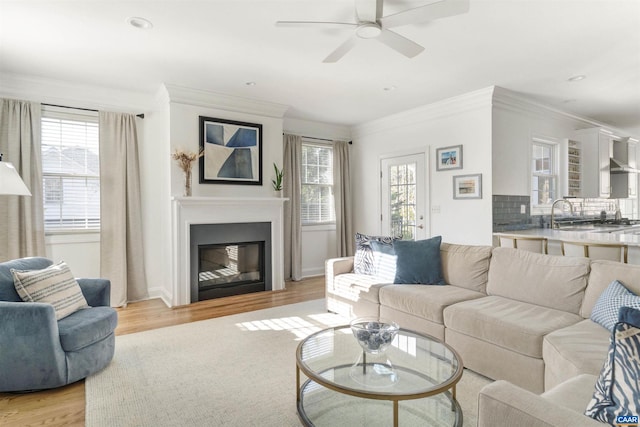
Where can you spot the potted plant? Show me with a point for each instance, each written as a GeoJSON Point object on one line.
{"type": "Point", "coordinates": [277, 181]}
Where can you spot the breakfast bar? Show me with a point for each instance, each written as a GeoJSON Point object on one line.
{"type": "Point", "coordinates": [585, 233]}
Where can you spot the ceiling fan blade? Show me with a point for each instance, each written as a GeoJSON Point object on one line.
{"type": "Point", "coordinates": [342, 50]}
{"type": "Point", "coordinates": [440, 9]}
{"type": "Point", "coordinates": [400, 44]}
{"type": "Point", "coordinates": [306, 23]}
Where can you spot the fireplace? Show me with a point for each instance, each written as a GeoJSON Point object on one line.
{"type": "Point", "coordinates": [190, 213]}
{"type": "Point", "coordinates": [230, 259]}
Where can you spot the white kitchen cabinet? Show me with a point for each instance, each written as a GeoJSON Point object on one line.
{"type": "Point", "coordinates": [625, 185]}
{"type": "Point", "coordinates": [596, 152]}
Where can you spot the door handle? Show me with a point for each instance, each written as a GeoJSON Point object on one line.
{"type": "Point", "coordinates": [420, 226]}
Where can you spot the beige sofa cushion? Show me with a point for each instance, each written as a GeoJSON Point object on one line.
{"type": "Point", "coordinates": [550, 281]}
{"type": "Point", "coordinates": [466, 266]}
{"type": "Point", "coordinates": [602, 274]}
{"type": "Point", "coordinates": [353, 287]}
{"type": "Point", "coordinates": [576, 349]}
{"type": "Point", "coordinates": [425, 301]}
{"type": "Point", "coordinates": [514, 325]}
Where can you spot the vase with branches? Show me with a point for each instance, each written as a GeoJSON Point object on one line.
{"type": "Point", "coordinates": [185, 160]}
{"type": "Point", "coordinates": [277, 181]}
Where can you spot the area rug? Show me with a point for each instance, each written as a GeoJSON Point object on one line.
{"type": "Point", "coordinates": [229, 371]}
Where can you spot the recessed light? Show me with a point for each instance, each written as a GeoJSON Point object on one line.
{"type": "Point", "coordinates": [140, 23]}
{"type": "Point", "coordinates": [250, 83]}
{"type": "Point", "coordinates": [577, 78]}
{"type": "Point", "coordinates": [390, 88]}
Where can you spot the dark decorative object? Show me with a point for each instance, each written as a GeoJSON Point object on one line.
{"type": "Point", "coordinates": [232, 152]}
{"type": "Point", "coordinates": [373, 335]}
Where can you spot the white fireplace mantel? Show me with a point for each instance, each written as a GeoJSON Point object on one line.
{"type": "Point", "coordinates": [222, 210]}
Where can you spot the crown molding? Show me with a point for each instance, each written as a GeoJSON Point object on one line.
{"type": "Point", "coordinates": [221, 101]}
{"type": "Point", "coordinates": [51, 91]}
{"type": "Point", "coordinates": [506, 99]}
{"type": "Point", "coordinates": [315, 129]}
{"type": "Point", "coordinates": [447, 107]}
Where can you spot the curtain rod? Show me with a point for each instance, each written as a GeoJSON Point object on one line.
{"type": "Point", "coordinates": [83, 109]}
{"type": "Point", "coordinates": [320, 139]}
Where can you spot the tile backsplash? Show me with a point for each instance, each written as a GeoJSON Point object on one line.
{"type": "Point", "coordinates": [508, 213]}
{"type": "Point", "coordinates": [508, 216]}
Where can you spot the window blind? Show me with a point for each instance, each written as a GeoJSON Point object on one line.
{"type": "Point", "coordinates": [317, 203]}
{"type": "Point", "coordinates": [70, 170]}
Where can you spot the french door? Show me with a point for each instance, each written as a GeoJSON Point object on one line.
{"type": "Point", "coordinates": [403, 193]}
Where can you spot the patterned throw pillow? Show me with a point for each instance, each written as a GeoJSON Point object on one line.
{"type": "Point", "coordinates": [384, 258]}
{"type": "Point", "coordinates": [54, 285]}
{"type": "Point", "coordinates": [606, 310]}
{"type": "Point", "coordinates": [364, 260]}
{"type": "Point", "coordinates": [617, 391]}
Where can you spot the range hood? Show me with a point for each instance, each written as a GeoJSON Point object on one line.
{"type": "Point", "coordinates": [616, 166]}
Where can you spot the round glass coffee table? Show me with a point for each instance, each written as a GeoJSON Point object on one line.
{"type": "Point", "coordinates": [413, 382]}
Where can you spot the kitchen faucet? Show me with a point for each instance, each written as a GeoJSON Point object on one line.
{"type": "Point", "coordinates": [553, 205]}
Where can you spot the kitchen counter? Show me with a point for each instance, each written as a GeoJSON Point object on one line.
{"type": "Point", "coordinates": [586, 233]}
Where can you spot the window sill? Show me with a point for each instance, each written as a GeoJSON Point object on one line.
{"type": "Point", "coordinates": [71, 237]}
{"type": "Point", "coordinates": [319, 227]}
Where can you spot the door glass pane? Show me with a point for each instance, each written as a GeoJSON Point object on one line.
{"type": "Point", "coordinates": [402, 200]}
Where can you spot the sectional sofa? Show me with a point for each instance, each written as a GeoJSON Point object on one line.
{"type": "Point", "coordinates": [517, 317]}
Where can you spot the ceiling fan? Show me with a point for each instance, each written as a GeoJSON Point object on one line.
{"type": "Point", "coordinates": [371, 24]}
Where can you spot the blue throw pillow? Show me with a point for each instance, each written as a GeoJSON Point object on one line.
{"type": "Point", "coordinates": [419, 262]}
{"type": "Point", "coordinates": [606, 310]}
{"type": "Point", "coordinates": [617, 391]}
{"type": "Point", "coordinates": [384, 261]}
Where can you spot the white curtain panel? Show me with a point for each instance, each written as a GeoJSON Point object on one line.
{"type": "Point", "coordinates": [121, 250]}
{"type": "Point", "coordinates": [342, 197]}
{"type": "Point", "coordinates": [292, 225]}
{"type": "Point", "coordinates": [22, 217]}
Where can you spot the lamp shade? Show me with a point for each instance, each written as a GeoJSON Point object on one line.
{"type": "Point", "coordinates": [10, 181]}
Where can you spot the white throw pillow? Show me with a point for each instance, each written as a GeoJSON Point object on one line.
{"type": "Point", "coordinates": [54, 285]}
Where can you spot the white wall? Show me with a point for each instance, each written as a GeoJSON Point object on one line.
{"type": "Point", "coordinates": [464, 120]}
{"type": "Point", "coordinates": [515, 121]}
{"type": "Point", "coordinates": [155, 182]}
{"type": "Point", "coordinates": [318, 242]}
{"type": "Point", "coordinates": [81, 252]}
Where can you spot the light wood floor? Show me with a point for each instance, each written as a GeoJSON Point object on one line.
{"type": "Point", "coordinates": [65, 406]}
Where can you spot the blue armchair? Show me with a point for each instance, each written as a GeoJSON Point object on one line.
{"type": "Point", "coordinates": [39, 352]}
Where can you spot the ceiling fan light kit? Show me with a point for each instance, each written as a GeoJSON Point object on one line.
{"type": "Point", "coordinates": [368, 30]}
{"type": "Point", "coordinates": [379, 30]}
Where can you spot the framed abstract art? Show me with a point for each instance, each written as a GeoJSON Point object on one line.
{"type": "Point", "coordinates": [232, 152]}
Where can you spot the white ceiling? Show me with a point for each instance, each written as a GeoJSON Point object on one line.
{"type": "Point", "coordinates": [528, 46]}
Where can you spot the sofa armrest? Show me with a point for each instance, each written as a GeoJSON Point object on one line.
{"type": "Point", "coordinates": [97, 292]}
{"type": "Point", "coordinates": [30, 350]}
{"type": "Point", "coordinates": [502, 404]}
{"type": "Point", "coordinates": [334, 267]}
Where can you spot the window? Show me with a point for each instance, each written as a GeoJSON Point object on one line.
{"type": "Point", "coordinates": [70, 170]}
{"type": "Point", "coordinates": [544, 173]}
{"type": "Point", "coordinates": [317, 185]}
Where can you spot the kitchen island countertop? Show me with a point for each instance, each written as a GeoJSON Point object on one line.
{"type": "Point", "coordinates": [587, 234]}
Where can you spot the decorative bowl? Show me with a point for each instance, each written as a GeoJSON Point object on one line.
{"type": "Point", "coordinates": [374, 335]}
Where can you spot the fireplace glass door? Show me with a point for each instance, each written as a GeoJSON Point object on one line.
{"type": "Point", "coordinates": [230, 269]}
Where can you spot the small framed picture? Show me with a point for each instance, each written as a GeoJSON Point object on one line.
{"type": "Point", "coordinates": [467, 186]}
{"type": "Point", "coordinates": [449, 158]}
